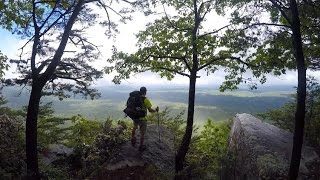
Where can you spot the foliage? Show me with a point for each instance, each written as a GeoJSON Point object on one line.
{"type": "Point", "coordinates": [208, 153]}
{"type": "Point", "coordinates": [43, 23]}
{"type": "Point", "coordinates": [51, 129]}
{"type": "Point", "coordinates": [264, 33]}
{"type": "Point", "coordinates": [274, 31]}
{"type": "Point", "coordinates": [3, 64]}
{"type": "Point", "coordinates": [13, 15]}
{"type": "Point", "coordinates": [12, 153]}
{"type": "Point", "coordinates": [167, 47]}
{"type": "Point", "coordinates": [4, 109]}
{"type": "Point", "coordinates": [179, 44]}
{"type": "Point", "coordinates": [175, 123]}
{"type": "Point", "coordinates": [272, 165]}
{"type": "Point", "coordinates": [111, 138]}
{"type": "Point", "coordinates": [53, 172]}
{"type": "Point", "coordinates": [92, 143]}
{"type": "Point", "coordinates": [47, 22]}
{"type": "Point", "coordinates": [284, 117]}
{"type": "Point", "coordinates": [87, 157]}
{"type": "Point", "coordinates": [82, 132]}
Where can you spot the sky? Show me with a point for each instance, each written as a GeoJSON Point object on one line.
{"type": "Point", "coordinates": [126, 41]}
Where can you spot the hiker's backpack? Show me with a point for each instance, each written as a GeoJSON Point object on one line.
{"type": "Point", "coordinates": [134, 107]}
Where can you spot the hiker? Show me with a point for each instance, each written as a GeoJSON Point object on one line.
{"type": "Point", "coordinates": [142, 121]}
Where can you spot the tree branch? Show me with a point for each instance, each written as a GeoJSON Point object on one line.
{"type": "Point", "coordinates": [213, 32]}
{"type": "Point", "coordinates": [55, 22]}
{"type": "Point", "coordinates": [205, 13]}
{"type": "Point", "coordinates": [172, 57]}
{"type": "Point", "coordinates": [241, 61]}
{"type": "Point", "coordinates": [267, 24]}
{"type": "Point", "coordinates": [169, 57]}
{"type": "Point", "coordinates": [57, 56]}
{"type": "Point", "coordinates": [172, 25]}
{"type": "Point", "coordinates": [225, 58]}
{"type": "Point", "coordinates": [105, 8]}
{"type": "Point", "coordinates": [281, 10]}
{"type": "Point", "coordinates": [210, 62]}
{"type": "Point", "coordinates": [35, 41]}
{"type": "Point", "coordinates": [44, 32]}
{"type": "Point", "coordinates": [53, 10]}
{"type": "Point", "coordinates": [172, 70]}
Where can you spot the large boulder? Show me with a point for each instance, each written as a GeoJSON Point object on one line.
{"type": "Point", "coordinates": [130, 163]}
{"type": "Point", "coordinates": [54, 152]}
{"type": "Point", "coordinates": [261, 151]}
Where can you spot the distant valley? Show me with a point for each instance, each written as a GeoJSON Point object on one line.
{"type": "Point", "coordinates": [210, 103]}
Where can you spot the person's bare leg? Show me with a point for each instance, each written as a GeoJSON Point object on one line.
{"type": "Point", "coordinates": [133, 138]}
{"type": "Point", "coordinates": [141, 137]}
{"type": "Point", "coordinates": [143, 128]}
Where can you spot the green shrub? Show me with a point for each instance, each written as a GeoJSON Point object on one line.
{"type": "Point", "coordinates": [12, 153]}
{"type": "Point", "coordinates": [175, 123]}
{"type": "Point", "coordinates": [284, 117]}
{"type": "Point", "coordinates": [209, 150]}
{"type": "Point", "coordinates": [272, 165]}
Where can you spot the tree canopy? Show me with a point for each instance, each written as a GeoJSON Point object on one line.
{"type": "Point", "coordinates": [60, 50]}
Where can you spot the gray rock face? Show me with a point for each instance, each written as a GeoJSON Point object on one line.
{"type": "Point", "coordinates": [262, 150]}
{"type": "Point", "coordinates": [54, 152]}
{"type": "Point", "coordinates": [159, 154]}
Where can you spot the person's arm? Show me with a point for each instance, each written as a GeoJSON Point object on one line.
{"type": "Point", "coordinates": [149, 106]}
{"type": "Point", "coordinates": [153, 110]}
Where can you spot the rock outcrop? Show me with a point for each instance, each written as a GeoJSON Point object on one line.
{"type": "Point", "coordinates": [261, 150]}
{"type": "Point", "coordinates": [130, 163]}
{"type": "Point", "coordinates": [54, 152]}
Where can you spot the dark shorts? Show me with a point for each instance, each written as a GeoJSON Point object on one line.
{"type": "Point", "coordinates": [142, 125]}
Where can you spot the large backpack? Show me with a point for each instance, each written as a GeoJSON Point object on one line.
{"type": "Point", "coordinates": [134, 107]}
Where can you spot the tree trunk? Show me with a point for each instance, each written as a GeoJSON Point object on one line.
{"type": "Point", "coordinates": [31, 131]}
{"type": "Point", "coordinates": [301, 94]}
{"type": "Point", "coordinates": [38, 82]}
{"type": "Point", "coordinates": [183, 149]}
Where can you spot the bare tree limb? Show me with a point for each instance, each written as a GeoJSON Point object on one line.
{"type": "Point", "coordinates": [171, 70]}
{"type": "Point", "coordinates": [225, 58]}
{"type": "Point", "coordinates": [267, 24]}
{"type": "Point", "coordinates": [105, 8]}
{"type": "Point", "coordinates": [210, 62]}
{"type": "Point", "coordinates": [169, 57]}
{"type": "Point", "coordinates": [57, 56]}
{"type": "Point", "coordinates": [213, 32]}
{"type": "Point", "coordinates": [49, 16]}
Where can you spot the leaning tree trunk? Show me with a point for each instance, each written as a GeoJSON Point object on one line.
{"type": "Point", "coordinates": [31, 131]}
{"type": "Point", "coordinates": [301, 94]}
{"type": "Point", "coordinates": [183, 149]}
{"type": "Point", "coordinates": [38, 82]}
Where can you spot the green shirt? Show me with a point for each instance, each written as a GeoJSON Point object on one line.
{"type": "Point", "coordinates": [146, 105]}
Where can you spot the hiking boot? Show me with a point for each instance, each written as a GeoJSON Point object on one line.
{"type": "Point", "coordinates": [133, 141]}
{"type": "Point", "coordinates": [142, 148]}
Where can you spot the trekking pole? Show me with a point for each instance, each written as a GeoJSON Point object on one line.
{"type": "Point", "coordinates": [159, 124]}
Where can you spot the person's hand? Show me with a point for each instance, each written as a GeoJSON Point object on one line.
{"type": "Point", "coordinates": [157, 108]}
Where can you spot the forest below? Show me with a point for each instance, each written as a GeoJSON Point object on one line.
{"type": "Point", "coordinates": [210, 103]}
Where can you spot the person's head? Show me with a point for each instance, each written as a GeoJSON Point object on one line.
{"type": "Point", "coordinates": [143, 90]}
